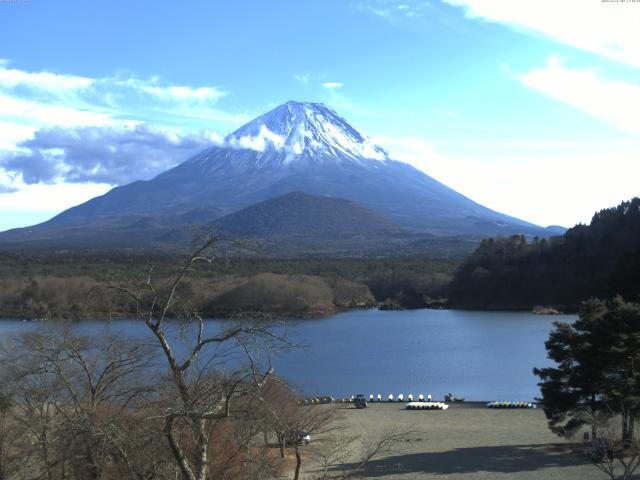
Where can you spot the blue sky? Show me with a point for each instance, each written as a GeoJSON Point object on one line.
{"type": "Point", "coordinates": [531, 108]}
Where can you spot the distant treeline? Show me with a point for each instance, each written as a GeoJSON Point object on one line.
{"type": "Point", "coordinates": [598, 260]}
{"type": "Point", "coordinates": [63, 284]}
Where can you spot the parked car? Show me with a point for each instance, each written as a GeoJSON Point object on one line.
{"type": "Point", "coordinates": [360, 401]}
{"type": "Point", "coordinates": [303, 438]}
{"type": "Point", "coordinates": [449, 397]}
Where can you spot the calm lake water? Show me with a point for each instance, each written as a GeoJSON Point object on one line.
{"type": "Point", "coordinates": [479, 355]}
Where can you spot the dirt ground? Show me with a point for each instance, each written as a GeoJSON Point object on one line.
{"type": "Point", "coordinates": [468, 441]}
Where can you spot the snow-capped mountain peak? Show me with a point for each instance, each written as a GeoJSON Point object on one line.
{"type": "Point", "coordinates": [305, 129]}
{"type": "Point", "coordinates": [297, 147]}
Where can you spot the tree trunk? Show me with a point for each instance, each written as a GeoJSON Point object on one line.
{"type": "Point", "coordinates": [178, 454]}
{"type": "Point", "coordinates": [298, 463]}
{"type": "Point", "coordinates": [202, 462]}
{"type": "Point", "coordinates": [281, 441]}
{"type": "Point", "coordinates": [45, 454]}
{"type": "Point", "coordinates": [92, 468]}
{"type": "Point", "coordinates": [627, 429]}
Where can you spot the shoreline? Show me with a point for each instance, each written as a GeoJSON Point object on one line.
{"type": "Point", "coordinates": [283, 316]}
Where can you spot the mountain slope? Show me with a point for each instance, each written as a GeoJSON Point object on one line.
{"type": "Point", "coordinates": [297, 147]}
{"type": "Point", "coordinates": [304, 215]}
{"type": "Point", "coordinates": [299, 223]}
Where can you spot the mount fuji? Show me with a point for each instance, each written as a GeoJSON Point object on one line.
{"type": "Point", "coordinates": [296, 147]}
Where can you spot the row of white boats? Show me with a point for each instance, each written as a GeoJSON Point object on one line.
{"type": "Point", "coordinates": [390, 398]}
{"type": "Point", "coordinates": [511, 405]}
{"type": "Point", "coordinates": [426, 406]}
{"type": "Point", "coordinates": [418, 403]}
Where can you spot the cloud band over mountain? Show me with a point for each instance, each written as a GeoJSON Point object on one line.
{"type": "Point", "coordinates": [115, 155]}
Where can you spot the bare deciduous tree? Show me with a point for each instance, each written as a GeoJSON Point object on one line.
{"type": "Point", "coordinates": [617, 459]}
{"type": "Point", "coordinates": [303, 420]}
{"type": "Point", "coordinates": [186, 402]}
{"type": "Point", "coordinates": [11, 436]}
{"type": "Point", "coordinates": [207, 376]}
{"type": "Point", "coordinates": [73, 395]}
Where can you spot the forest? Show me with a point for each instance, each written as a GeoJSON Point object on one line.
{"type": "Point", "coordinates": [61, 284]}
{"type": "Point", "coordinates": [601, 259]}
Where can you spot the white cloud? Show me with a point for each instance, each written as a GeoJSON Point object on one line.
{"type": "Point", "coordinates": [37, 108]}
{"type": "Point", "coordinates": [12, 134]}
{"type": "Point", "coordinates": [550, 189]}
{"type": "Point", "coordinates": [415, 151]}
{"type": "Point", "coordinates": [35, 114]}
{"type": "Point", "coordinates": [53, 169]}
{"type": "Point", "coordinates": [113, 155]}
{"type": "Point", "coordinates": [260, 142]}
{"type": "Point", "coordinates": [30, 204]}
{"type": "Point", "coordinates": [542, 184]}
{"type": "Point", "coordinates": [10, 78]}
{"type": "Point", "coordinates": [302, 78]}
{"type": "Point", "coordinates": [396, 10]}
{"type": "Point", "coordinates": [613, 101]}
{"type": "Point", "coordinates": [49, 199]}
{"type": "Point", "coordinates": [337, 99]}
{"type": "Point", "coordinates": [66, 84]}
{"type": "Point", "coordinates": [610, 29]}
{"type": "Point", "coordinates": [368, 150]}
{"type": "Point", "coordinates": [170, 92]}
{"type": "Point", "coordinates": [42, 99]}
{"type": "Point", "coordinates": [60, 128]}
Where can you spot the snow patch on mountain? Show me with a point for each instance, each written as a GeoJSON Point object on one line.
{"type": "Point", "coordinates": [305, 129]}
{"type": "Point", "coordinates": [264, 139]}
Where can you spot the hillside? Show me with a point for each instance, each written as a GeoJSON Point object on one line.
{"type": "Point", "coordinates": [302, 225]}
{"type": "Point", "coordinates": [296, 223]}
{"type": "Point", "coordinates": [601, 259]}
{"type": "Point", "coordinates": [305, 215]}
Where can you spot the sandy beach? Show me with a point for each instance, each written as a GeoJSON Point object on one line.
{"type": "Point", "coordinates": [468, 441]}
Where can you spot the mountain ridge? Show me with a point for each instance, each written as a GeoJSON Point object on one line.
{"type": "Point", "coordinates": [306, 130]}
{"type": "Point", "coordinates": [296, 147]}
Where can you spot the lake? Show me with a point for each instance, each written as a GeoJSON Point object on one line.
{"type": "Point", "coordinates": [478, 355]}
